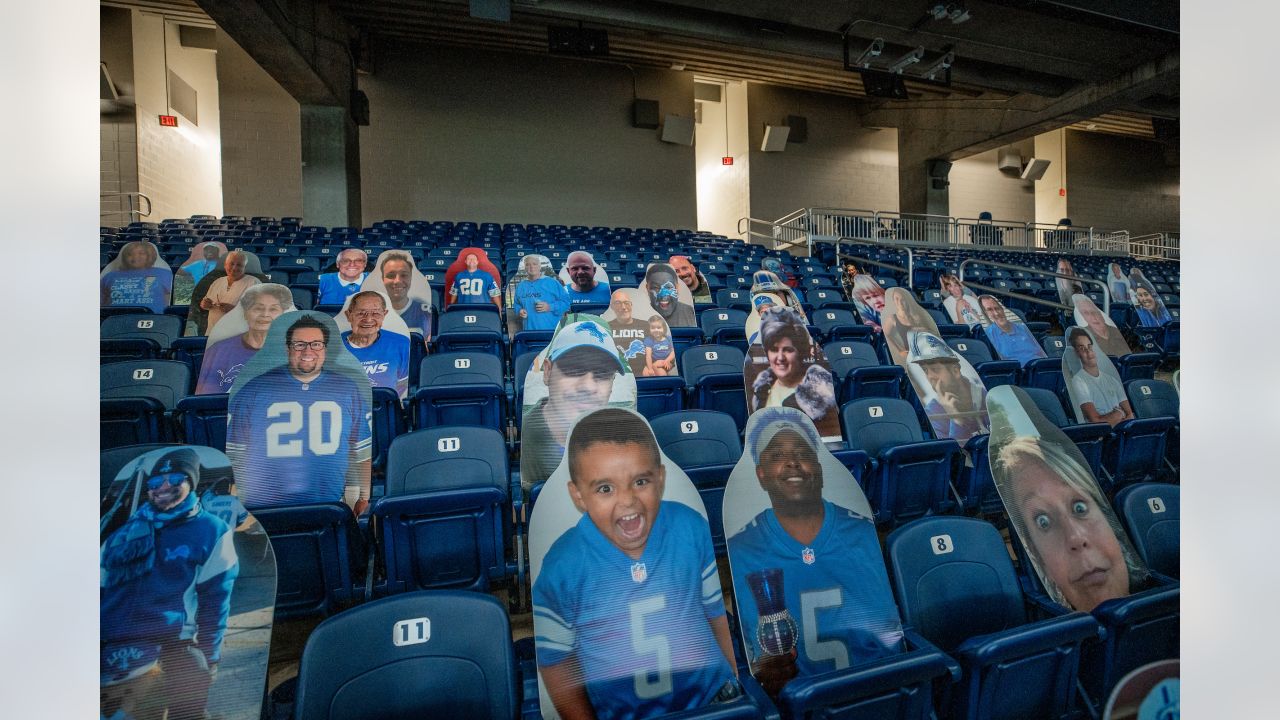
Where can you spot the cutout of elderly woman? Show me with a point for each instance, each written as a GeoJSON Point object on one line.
{"type": "Point", "coordinates": [226, 291]}
{"type": "Point", "coordinates": [137, 277]}
{"type": "Point", "coordinates": [1071, 534]}
{"type": "Point", "coordinates": [902, 316]}
{"type": "Point", "coordinates": [868, 297]}
{"type": "Point", "coordinates": [1151, 309]}
{"type": "Point", "coordinates": [1067, 286]}
{"type": "Point", "coordinates": [787, 369]}
{"type": "Point", "coordinates": [411, 297]}
{"type": "Point", "coordinates": [1104, 331]}
{"type": "Point", "coordinates": [1092, 381]}
{"type": "Point", "coordinates": [960, 302]}
{"type": "Point", "coordinates": [240, 335]}
{"type": "Point", "coordinates": [1118, 284]}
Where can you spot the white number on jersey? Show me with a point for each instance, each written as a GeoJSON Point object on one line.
{"type": "Point", "coordinates": [821, 650]}
{"type": "Point", "coordinates": [291, 419]}
{"type": "Point", "coordinates": [471, 286]}
{"type": "Point", "coordinates": [646, 686]}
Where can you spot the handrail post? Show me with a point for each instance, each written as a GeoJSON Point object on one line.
{"type": "Point", "coordinates": [1106, 293]}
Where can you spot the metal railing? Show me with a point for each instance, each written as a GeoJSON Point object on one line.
{"type": "Point", "coordinates": [133, 209]}
{"type": "Point", "coordinates": [1106, 294]}
{"type": "Point", "coordinates": [1156, 246]}
{"type": "Point", "coordinates": [911, 258]}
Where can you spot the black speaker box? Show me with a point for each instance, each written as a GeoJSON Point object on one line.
{"type": "Point", "coordinates": [644, 114]}
{"type": "Point", "coordinates": [939, 169]}
{"type": "Point", "coordinates": [882, 84]}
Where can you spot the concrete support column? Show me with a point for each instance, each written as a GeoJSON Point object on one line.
{"type": "Point", "coordinates": [330, 167]}
{"type": "Point", "coordinates": [917, 191]}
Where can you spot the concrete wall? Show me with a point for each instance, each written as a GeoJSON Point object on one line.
{"type": "Point", "coordinates": [977, 185]}
{"type": "Point", "coordinates": [261, 138]}
{"type": "Point", "coordinates": [118, 141]}
{"type": "Point", "coordinates": [724, 191]}
{"type": "Point", "coordinates": [486, 136]}
{"type": "Point", "coordinates": [1120, 183]}
{"type": "Point", "coordinates": [180, 169]}
{"type": "Point", "coordinates": [1051, 206]}
{"type": "Point", "coordinates": [841, 165]}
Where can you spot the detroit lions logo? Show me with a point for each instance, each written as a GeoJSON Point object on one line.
{"type": "Point", "coordinates": [591, 329]}
{"type": "Point", "coordinates": [635, 348]}
{"type": "Point", "coordinates": [123, 657]}
{"type": "Point", "coordinates": [182, 551]}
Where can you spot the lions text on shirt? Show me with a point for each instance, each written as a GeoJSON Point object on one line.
{"type": "Point", "coordinates": [386, 360]}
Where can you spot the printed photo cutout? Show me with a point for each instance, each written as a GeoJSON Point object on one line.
{"type": "Point", "coordinates": [586, 281]}
{"type": "Point", "coordinates": [960, 302]}
{"type": "Point", "coordinates": [774, 266]}
{"type": "Point", "coordinates": [786, 368]}
{"type": "Point", "coordinates": [580, 371]}
{"type": "Point", "coordinates": [346, 279]}
{"type": "Point", "coordinates": [1118, 284]}
{"type": "Point", "coordinates": [628, 613]}
{"type": "Point", "coordinates": [805, 557]}
{"type": "Point", "coordinates": [641, 334]}
{"type": "Point", "coordinates": [952, 394]}
{"type": "Point", "coordinates": [299, 420]}
{"type": "Point", "coordinates": [1076, 546]}
{"type": "Point", "coordinates": [137, 276]}
{"type": "Point", "coordinates": [378, 338]}
{"type": "Point", "coordinates": [1008, 334]}
{"type": "Point", "coordinates": [1151, 309]}
{"type": "Point", "coordinates": [668, 295]}
{"type": "Point", "coordinates": [692, 279]}
{"type": "Point", "coordinates": [536, 300]}
{"type": "Point", "coordinates": [205, 257]}
{"type": "Point", "coordinates": [764, 281]}
{"type": "Point", "coordinates": [1096, 391]}
{"type": "Point", "coordinates": [472, 279]}
{"type": "Point", "coordinates": [223, 293]}
{"type": "Point", "coordinates": [1067, 286]}
{"type": "Point", "coordinates": [239, 335]}
{"type": "Point", "coordinates": [197, 315]}
{"type": "Point", "coordinates": [1106, 336]}
{"type": "Point", "coordinates": [903, 316]}
{"type": "Point", "coordinates": [868, 299]}
{"type": "Point", "coordinates": [411, 296]}
{"type": "Point", "coordinates": [183, 566]}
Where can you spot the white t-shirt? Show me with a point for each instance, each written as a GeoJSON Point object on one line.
{"type": "Point", "coordinates": [1104, 391]}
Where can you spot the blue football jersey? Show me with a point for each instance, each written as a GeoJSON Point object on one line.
{"type": "Point", "coordinates": [474, 286]}
{"type": "Point", "coordinates": [418, 316]}
{"type": "Point", "coordinates": [386, 361]}
{"type": "Point", "coordinates": [836, 589]}
{"type": "Point", "coordinates": [640, 628]}
{"type": "Point", "coordinates": [292, 442]}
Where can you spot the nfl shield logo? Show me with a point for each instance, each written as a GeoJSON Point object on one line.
{"type": "Point", "coordinates": [638, 572]}
{"type": "Point", "coordinates": [807, 556]}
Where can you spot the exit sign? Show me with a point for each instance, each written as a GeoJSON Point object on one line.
{"type": "Point", "coordinates": [726, 160]}
{"type": "Point", "coordinates": [169, 120]}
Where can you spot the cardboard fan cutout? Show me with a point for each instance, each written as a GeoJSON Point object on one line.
{"type": "Point", "coordinates": [809, 577]}
{"type": "Point", "coordinates": [239, 335]}
{"type": "Point", "coordinates": [197, 314]}
{"type": "Point", "coordinates": [902, 316]}
{"type": "Point", "coordinates": [1106, 336]}
{"type": "Point", "coordinates": [1067, 286]}
{"type": "Point", "coordinates": [378, 338]}
{"type": "Point", "coordinates": [628, 612]}
{"type": "Point", "coordinates": [1008, 334]}
{"type": "Point", "coordinates": [343, 277]}
{"type": "Point", "coordinates": [668, 295]}
{"type": "Point", "coordinates": [182, 566]}
{"type": "Point", "coordinates": [580, 371]}
{"type": "Point", "coordinates": [765, 281]}
{"type": "Point", "coordinates": [1150, 307]}
{"type": "Point", "coordinates": [1118, 284]}
{"type": "Point", "coordinates": [137, 276]}
{"type": "Point", "coordinates": [223, 292]}
{"type": "Point", "coordinates": [960, 302]}
{"type": "Point", "coordinates": [774, 266]}
{"type": "Point", "coordinates": [641, 334]}
{"type": "Point", "coordinates": [786, 368]}
{"type": "Point", "coordinates": [1097, 393]}
{"type": "Point", "coordinates": [299, 420]}
{"type": "Point", "coordinates": [411, 296]}
{"type": "Point", "coordinates": [1062, 518]}
{"type": "Point", "coordinates": [536, 300]}
{"type": "Point", "coordinates": [205, 257]}
{"type": "Point", "coordinates": [472, 279]}
{"type": "Point", "coordinates": [868, 299]}
{"type": "Point", "coordinates": [949, 389]}
{"type": "Point", "coordinates": [581, 269]}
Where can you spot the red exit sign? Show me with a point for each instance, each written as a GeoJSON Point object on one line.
{"type": "Point", "coordinates": [169, 120]}
{"type": "Point", "coordinates": [726, 160]}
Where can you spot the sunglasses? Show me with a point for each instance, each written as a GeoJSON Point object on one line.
{"type": "Point", "coordinates": [173, 479]}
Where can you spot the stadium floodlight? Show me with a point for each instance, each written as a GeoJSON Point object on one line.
{"type": "Point", "coordinates": [873, 51]}
{"type": "Point", "coordinates": [942, 65]}
{"type": "Point", "coordinates": [907, 60]}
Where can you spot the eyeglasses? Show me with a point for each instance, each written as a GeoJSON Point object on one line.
{"type": "Point", "coordinates": [362, 314]}
{"type": "Point", "coordinates": [351, 262]}
{"type": "Point", "coordinates": [299, 345]}
{"type": "Point", "coordinates": [173, 479]}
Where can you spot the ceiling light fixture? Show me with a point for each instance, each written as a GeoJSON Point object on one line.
{"type": "Point", "coordinates": [873, 51]}
{"type": "Point", "coordinates": [907, 60]}
{"type": "Point", "coordinates": [942, 65]}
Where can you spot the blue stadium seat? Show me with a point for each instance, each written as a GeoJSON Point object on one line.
{"type": "Point", "coordinates": [466, 331]}
{"type": "Point", "coordinates": [530, 340]}
{"type": "Point", "coordinates": [320, 555]}
{"type": "Point", "coordinates": [445, 519]}
{"type": "Point", "coordinates": [956, 586]}
{"type": "Point", "coordinates": [823, 298]}
{"type": "Point", "coordinates": [125, 349]}
{"type": "Point", "coordinates": [735, 298]}
{"type": "Point", "coordinates": [860, 373]}
{"type": "Point", "coordinates": [161, 328]}
{"type": "Point", "coordinates": [911, 475]}
{"type": "Point", "coordinates": [946, 328]}
{"type": "Point", "coordinates": [460, 389]}
{"type": "Point", "coordinates": [658, 395]}
{"type": "Point", "coordinates": [993, 372]}
{"type": "Point", "coordinates": [1157, 399]}
{"type": "Point", "coordinates": [388, 424]}
{"type": "Point", "coordinates": [725, 326]}
{"type": "Point", "coordinates": [303, 298]}
{"type": "Point", "coordinates": [135, 399]}
{"type": "Point", "coordinates": [189, 350]}
{"type": "Point", "coordinates": [1150, 512]}
{"type": "Point", "coordinates": [713, 374]}
{"type": "Point", "coordinates": [705, 444]}
{"type": "Point", "coordinates": [1137, 365]}
{"type": "Point", "coordinates": [836, 324]}
{"type": "Point", "coordinates": [1136, 451]}
{"type": "Point", "coordinates": [204, 420]}
{"type": "Point", "coordinates": [683, 338]}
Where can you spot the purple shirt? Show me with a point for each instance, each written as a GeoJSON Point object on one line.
{"type": "Point", "coordinates": [222, 362]}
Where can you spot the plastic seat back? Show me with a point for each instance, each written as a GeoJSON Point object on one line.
{"type": "Point", "coordinates": [1150, 512]}
{"type": "Point", "coordinates": [658, 395]}
{"type": "Point", "coordinates": [460, 388]}
{"type": "Point", "coordinates": [161, 328]}
{"type": "Point", "coordinates": [1152, 398]}
{"type": "Point", "coordinates": [204, 420]}
{"type": "Point", "coordinates": [724, 326]}
{"type": "Point", "coordinates": [445, 654]}
{"type": "Point", "coordinates": [875, 424]}
{"type": "Point", "coordinates": [714, 375]}
{"type": "Point", "coordinates": [974, 350]}
{"type": "Point", "coordinates": [165, 381]}
{"type": "Point", "coordinates": [857, 366]}
{"type": "Point", "coordinates": [464, 329]}
{"type": "Point", "coordinates": [319, 555]}
{"type": "Point", "coordinates": [1050, 406]}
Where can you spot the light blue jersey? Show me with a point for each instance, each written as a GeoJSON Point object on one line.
{"type": "Point", "coordinates": [545, 289]}
{"type": "Point", "coordinates": [386, 361]}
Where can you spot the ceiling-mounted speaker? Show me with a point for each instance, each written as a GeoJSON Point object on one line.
{"type": "Point", "coordinates": [1035, 169]}
{"type": "Point", "coordinates": [678, 130]}
{"type": "Point", "coordinates": [644, 114]}
{"type": "Point", "coordinates": [938, 168]}
{"type": "Point", "coordinates": [1009, 160]}
{"type": "Point", "coordinates": [880, 84]}
{"type": "Point", "coordinates": [799, 128]}
{"type": "Point", "coordinates": [775, 138]}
